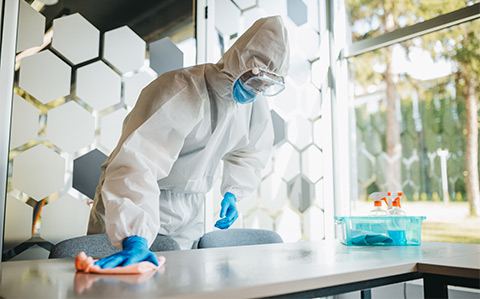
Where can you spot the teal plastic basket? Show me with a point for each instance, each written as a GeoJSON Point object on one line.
{"type": "Point", "coordinates": [379, 230]}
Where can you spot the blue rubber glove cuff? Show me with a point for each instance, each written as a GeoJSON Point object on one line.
{"type": "Point", "coordinates": [134, 241]}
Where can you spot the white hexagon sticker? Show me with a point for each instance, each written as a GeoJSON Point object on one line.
{"type": "Point", "coordinates": [39, 172]}
{"type": "Point", "coordinates": [18, 222]}
{"type": "Point", "coordinates": [24, 122]}
{"type": "Point", "coordinates": [227, 17]}
{"type": "Point", "coordinates": [111, 129]}
{"type": "Point", "coordinates": [299, 132]}
{"type": "Point", "coordinates": [98, 85]}
{"type": "Point", "coordinates": [134, 84]}
{"type": "Point", "coordinates": [310, 101]}
{"type": "Point", "coordinates": [287, 162]}
{"type": "Point", "coordinates": [75, 38]}
{"type": "Point", "coordinates": [64, 212]}
{"type": "Point", "coordinates": [69, 120]}
{"type": "Point", "coordinates": [124, 49]}
{"type": "Point", "coordinates": [273, 192]}
{"type": "Point", "coordinates": [31, 27]}
{"type": "Point", "coordinates": [288, 226]}
{"type": "Point", "coordinates": [312, 163]}
{"type": "Point", "coordinates": [285, 103]}
{"type": "Point", "coordinates": [45, 76]}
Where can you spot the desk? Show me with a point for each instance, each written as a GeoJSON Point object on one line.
{"type": "Point", "coordinates": [307, 269]}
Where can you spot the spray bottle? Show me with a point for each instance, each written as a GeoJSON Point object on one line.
{"type": "Point", "coordinates": [377, 198]}
{"type": "Point", "coordinates": [396, 208]}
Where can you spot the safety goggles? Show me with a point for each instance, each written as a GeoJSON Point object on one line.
{"type": "Point", "coordinates": [260, 81]}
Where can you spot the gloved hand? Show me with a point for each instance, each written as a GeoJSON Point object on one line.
{"type": "Point", "coordinates": [228, 213]}
{"type": "Point", "coordinates": [135, 250]}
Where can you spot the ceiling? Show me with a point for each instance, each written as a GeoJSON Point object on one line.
{"type": "Point", "coordinates": [150, 19]}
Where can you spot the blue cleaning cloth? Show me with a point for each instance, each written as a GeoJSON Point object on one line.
{"type": "Point", "coordinates": [361, 237]}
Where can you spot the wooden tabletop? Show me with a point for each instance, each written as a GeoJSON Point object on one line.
{"type": "Point", "coordinates": [239, 272]}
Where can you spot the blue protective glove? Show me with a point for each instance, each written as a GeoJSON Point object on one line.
{"type": "Point", "coordinates": [135, 250]}
{"type": "Point", "coordinates": [228, 213]}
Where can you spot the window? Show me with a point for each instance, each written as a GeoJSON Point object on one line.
{"type": "Point", "coordinates": [411, 102]}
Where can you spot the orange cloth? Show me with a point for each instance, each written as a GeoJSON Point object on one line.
{"type": "Point", "coordinates": [86, 264]}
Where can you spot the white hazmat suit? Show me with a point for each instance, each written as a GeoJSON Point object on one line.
{"type": "Point", "coordinates": [182, 125]}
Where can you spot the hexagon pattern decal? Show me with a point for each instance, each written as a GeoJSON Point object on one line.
{"type": "Point", "coordinates": [38, 171]}
{"type": "Point", "coordinates": [45, 76]}
{"type": "Point", "coordinates": [124, 49]}
{"type": "Point", "coordinates": [24, 122]}
{"type": "Point", "coordinates": [78, 47]}
{"type": "Point", "coordinates": [69, 120]}
{"type": "Point", "coordinates": [98, 85]}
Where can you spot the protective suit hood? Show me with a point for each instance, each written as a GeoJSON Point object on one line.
{"type": "Point", "coordinates": [264, 45]}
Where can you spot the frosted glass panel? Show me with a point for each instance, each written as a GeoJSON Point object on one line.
{"type": "Point", "coordinates": [124, 49]}
{"type": "Point", "coordinates": [24, 122]}
{"type": "Point", "coordinates": [45, 76]}
{"type": "Point", "coordinates": [18, 222]}
{"type": "Point", "coordinates": [313, 221]}
{"type": "Point", "coordinates": [294, 175]}
{"type": "Point", "coordinates": [69, 120]}
{"type": "Point", "coordinates": [87, 172]}
{"type": "Point", "coordinates": [259, 219]}
{"type": "Point", "coordinates": [111, 129]}
{"type": "Point", "coordinates": [297, 11]}
{"type": "Point", "coordinates": [75, 38]}
{"type": "Point", "coordinates": [98, 85]}
{"type": "Point", "coordinates": [165, 48]}
{"type": "Point", "coordinates": [301, 193]}
{"type": "Point", "coordinates": [65, 212]}
{"type": "Point", "coordinates": [38, 171]}
{"type": "Point", "coordinates": [31, 26]}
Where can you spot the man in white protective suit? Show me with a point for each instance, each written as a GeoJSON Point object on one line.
{"type": "Point", "coordinates": [183, 124]}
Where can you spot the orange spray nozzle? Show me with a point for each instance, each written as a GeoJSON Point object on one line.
{"type": "Point", "coordinates": [396, 202]}
{"type": "Point", "coordinates": [386, 202]}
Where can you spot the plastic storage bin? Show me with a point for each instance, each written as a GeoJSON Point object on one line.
{"type": "Point", "coordinates": [379, 230]}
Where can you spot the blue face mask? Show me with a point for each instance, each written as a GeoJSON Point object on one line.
{"type": "Point", "coordinates": [243, 96]}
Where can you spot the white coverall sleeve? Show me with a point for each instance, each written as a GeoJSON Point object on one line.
{"type": "Point", "coordinates": [130, 191]}
{"type": "Point", "coordinates": [242, 167]}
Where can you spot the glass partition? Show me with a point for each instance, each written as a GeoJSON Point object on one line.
{"type": "Point", "coordinates": [74, 84]}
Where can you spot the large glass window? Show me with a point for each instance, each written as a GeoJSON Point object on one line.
{"type": "Point", "coordinates": [415, 130]}
{"type": "Point", "coordinates": [374, 18]}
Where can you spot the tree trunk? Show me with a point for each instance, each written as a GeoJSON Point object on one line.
{"type": "Point", "coordinates": [471, 150]}
{"type": "Point", "coordinates": [393, 145]}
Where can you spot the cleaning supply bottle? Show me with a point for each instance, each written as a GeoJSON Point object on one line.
{"type": "Point", "coordinates": [377, 201]}
{"type": "Point", "coordinates": [396, 209]}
